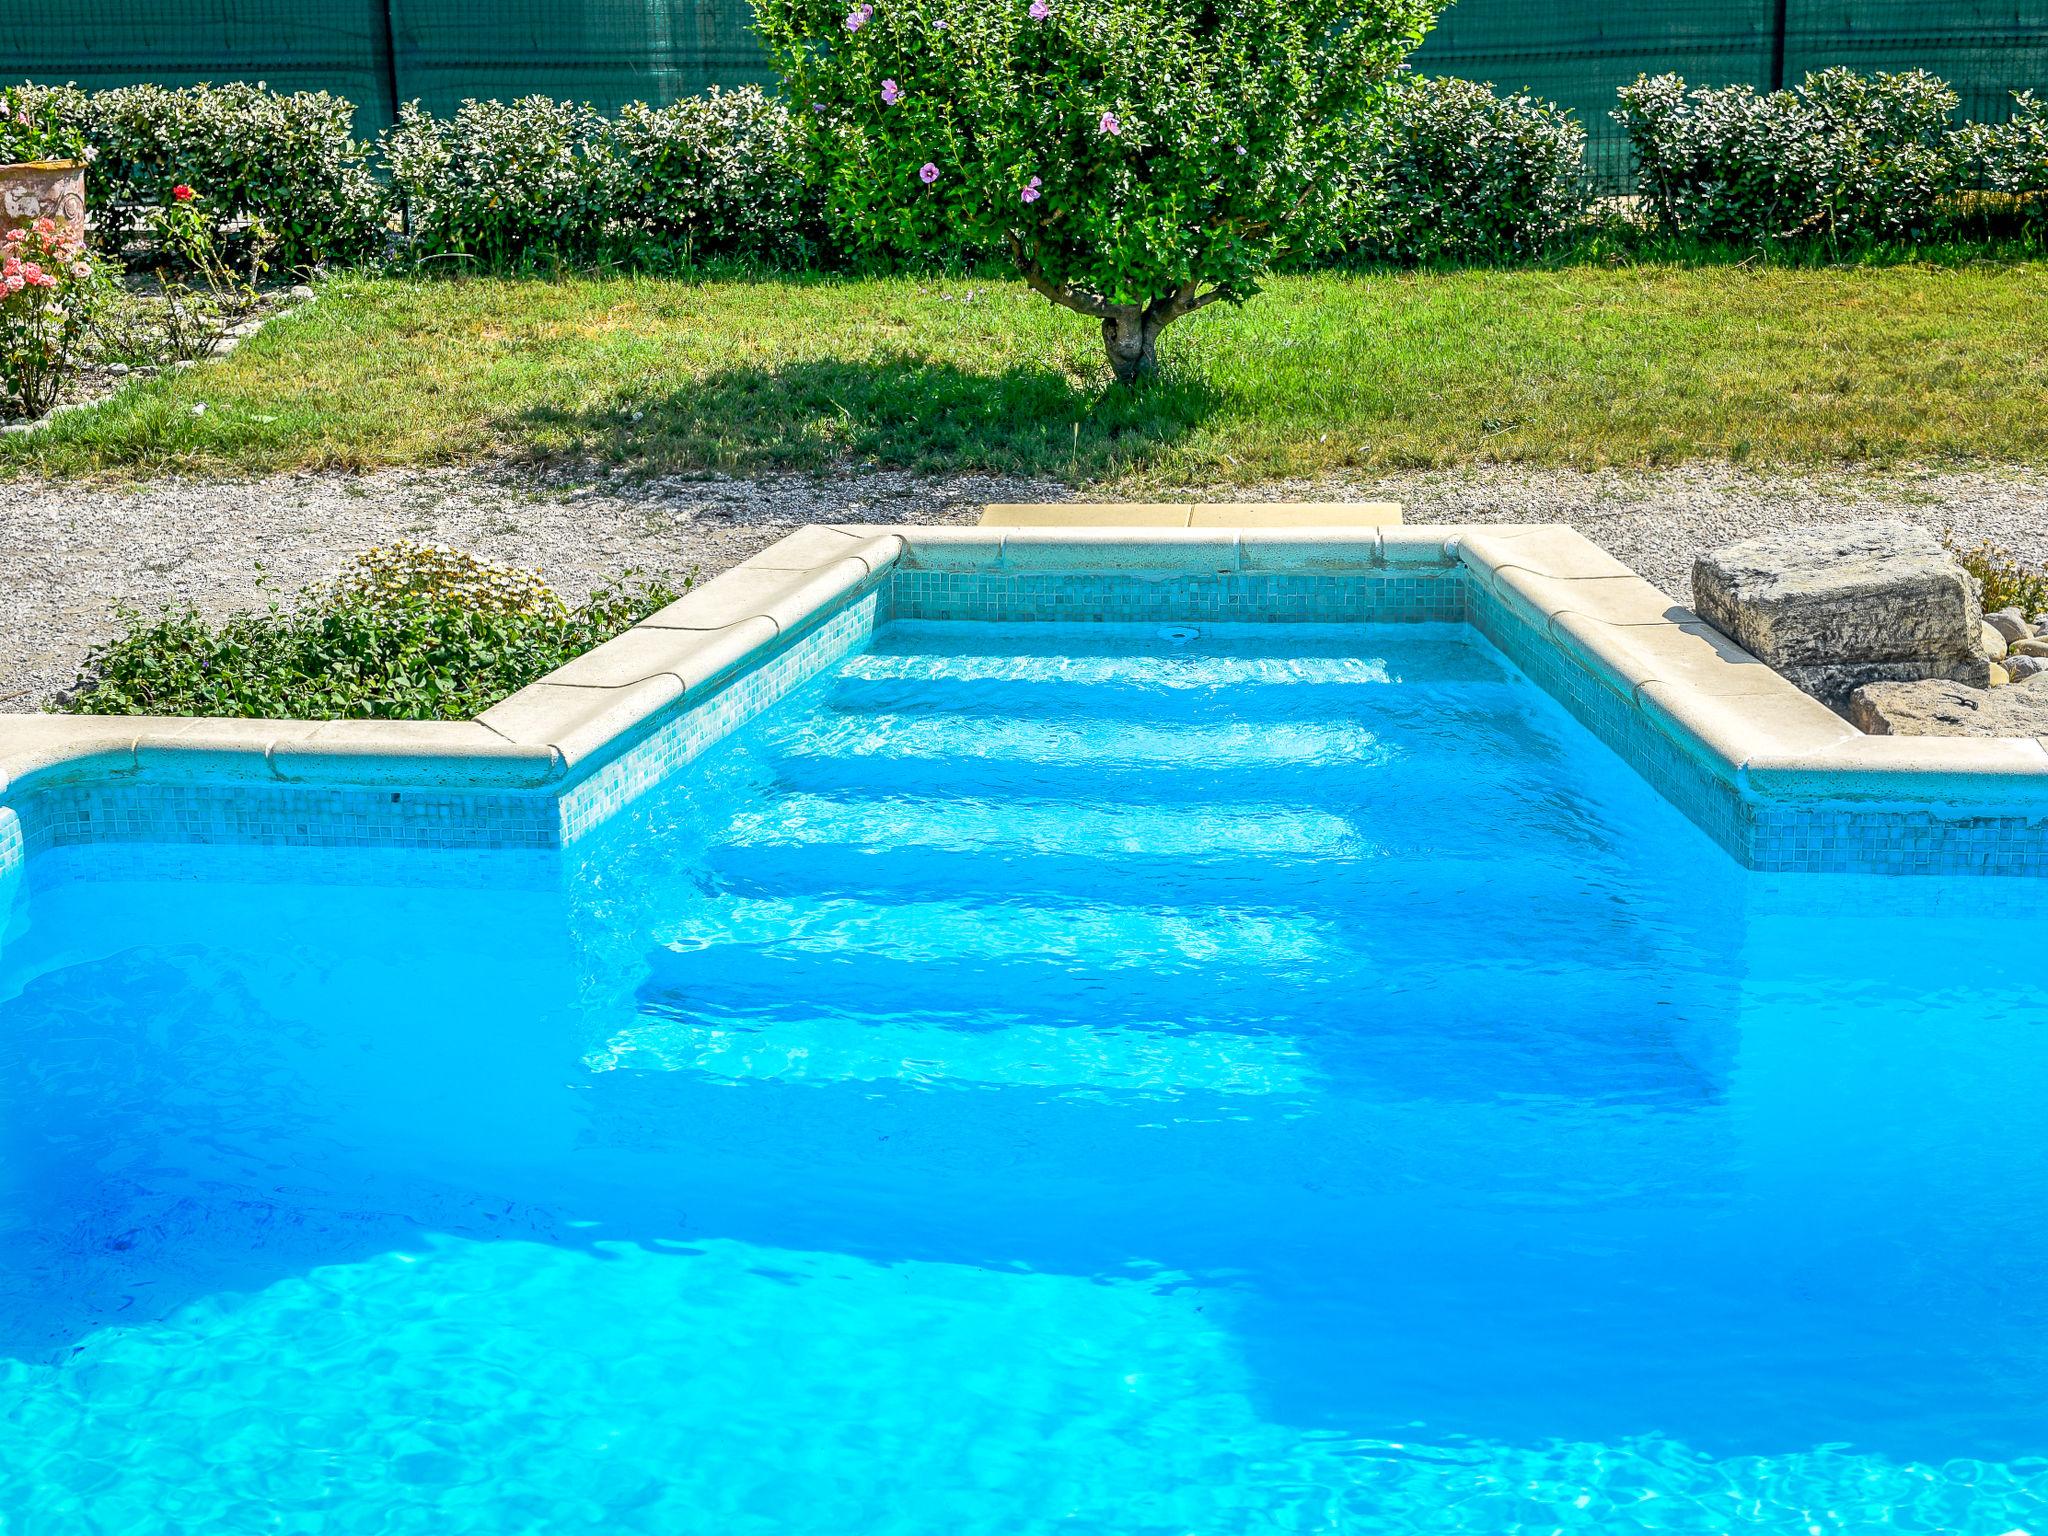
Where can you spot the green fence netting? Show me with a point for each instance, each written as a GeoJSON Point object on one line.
{"type": "Point", "coordinates": [1577, 52]}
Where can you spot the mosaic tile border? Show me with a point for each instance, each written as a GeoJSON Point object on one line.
{"type": "Point", "coordinates": [1775, 779]}
{"type": "Point", "coordinates": [1122, 598]}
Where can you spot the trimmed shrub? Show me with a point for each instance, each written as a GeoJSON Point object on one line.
{"type": "Point", "coordinates": [505, 184]}
{"type": "Point", "coordinates": [30, 131]}
{"type": "Point", "coordinates": [285, 160]}
{"type": "Point", "coordinates": [2011, 158]}
{"type": "Point", "coordinates": [1448, 171]}
{"type": "Point", "coordinates": [715, 175]}
{"type": "Point", "coordinates": [1136, 159]}
{"type": "Point", "coordinates": [1841, 157]}
{"type": "Point", "coordinates": [407, 632]}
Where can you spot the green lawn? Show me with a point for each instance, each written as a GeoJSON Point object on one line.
{"type": "Point", "coordinates": [1579, 366]}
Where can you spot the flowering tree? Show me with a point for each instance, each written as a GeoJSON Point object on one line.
{"type": "Point", "coordinates": [1138, 160]}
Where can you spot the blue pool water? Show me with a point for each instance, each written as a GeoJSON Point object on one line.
{"type": "Point", "coordinates": [1036, 1079]}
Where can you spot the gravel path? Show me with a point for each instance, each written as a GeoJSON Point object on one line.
{"type": "Point", "coordinates": [74, 554]}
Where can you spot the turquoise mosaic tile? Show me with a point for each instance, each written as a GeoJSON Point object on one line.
{"type": "Point", "coordinates": [1117, 598]}
{"type": "Point", "coordinates": [138, 810]}
{"type": "Point", "coordinates": [677, 739]}
{"type": "Point", "coordinates": [1896, 840]}
{"type": "Point", "coordinates": [13, 859]}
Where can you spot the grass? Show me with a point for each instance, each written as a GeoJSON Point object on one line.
{"type": "Point", "coordinates": [1587, 365]}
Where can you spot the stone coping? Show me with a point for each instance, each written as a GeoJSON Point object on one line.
{"type": "Point", "coordinates": [1189, 514]}
{"type": "Point", "coordinates": [1741, 723]}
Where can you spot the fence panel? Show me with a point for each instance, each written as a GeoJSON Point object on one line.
{"type": "Point", "coordinates": [343, 46]}
{"type": "Point", "coordinates": [1578, 53]}
{"type": "Point", "coordinates": [605, 52]}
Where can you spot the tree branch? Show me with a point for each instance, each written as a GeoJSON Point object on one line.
{"type": "Point", "coordinates": [1079, 300]}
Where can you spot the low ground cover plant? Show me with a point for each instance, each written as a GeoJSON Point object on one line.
{"type": "Point", "coordinates": [407, 631]}
{"type": "Point", "coordinates": [1135, 160]}
{"type": "Point", "coordinates": [2005, 579]}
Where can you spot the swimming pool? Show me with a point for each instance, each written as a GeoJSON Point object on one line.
{"type": "Point", "coordinates": [1185, 1077]}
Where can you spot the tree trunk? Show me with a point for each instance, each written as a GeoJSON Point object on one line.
{"type": "Point", "coordinates": [1130, 336]}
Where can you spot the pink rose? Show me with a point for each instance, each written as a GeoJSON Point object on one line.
{"type": "Point", "coordinates": [928, 173]}
{"type": "Point", "coordinates": [13, 284]}
{"type": "Point", "coordinates": [81, 271]}
{"type": "Point", "coordinates": [32, 272]}
{"type": "Point", "coordinates": [46, 226]}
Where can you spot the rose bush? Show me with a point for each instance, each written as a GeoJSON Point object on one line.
{"type": "Point", "coordinates": [51, 291]}
{"type": "Point", "coordinates": [1137, 160]}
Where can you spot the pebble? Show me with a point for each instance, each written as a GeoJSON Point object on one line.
{"type": "Point", "coordinates": [2009, 624]}
{"type": "Point", "coordinates": [1992, 638]}
{"type": "Point", "coordinates": [2020, 668]}
{"type": "Point", "coordinates": [1999, 677]}
{"type": "Point", "coordinates": [2028, 648]}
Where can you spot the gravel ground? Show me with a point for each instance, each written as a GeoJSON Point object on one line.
{"type": "Point", "coordinates": [74, 554]}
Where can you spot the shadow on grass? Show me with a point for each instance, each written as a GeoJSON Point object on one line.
{"type": "Point", "coordinates": [899, 410]}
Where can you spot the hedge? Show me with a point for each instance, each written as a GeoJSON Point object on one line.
{"type": "Point", "coordinates": [1453, 172]}
{"type": "Point", "coordinates": [1839, 157]}
{"type": "Point", "coordinates": [1450, 171]}
{"type": "Point", "coordinates": [288, 160]}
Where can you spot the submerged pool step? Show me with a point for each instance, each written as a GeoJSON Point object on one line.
{"type": "Point", "coordinates": [1421, 707]}
{"type": "Point", "coordinates": [1070, 665]}
{"type": "Point", "coordinates": [821, 821]}
{"type": "Point", "coordinates": [1163, 746]}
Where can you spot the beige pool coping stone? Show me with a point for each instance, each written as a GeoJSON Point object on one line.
{"type": "Point", "coordinates": [1190, 514]}
{"type": "Point", "coordinates": [1741, 721]}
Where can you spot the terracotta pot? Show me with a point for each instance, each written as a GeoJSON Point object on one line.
{"type": "Point", "coordinates": [53, 189]}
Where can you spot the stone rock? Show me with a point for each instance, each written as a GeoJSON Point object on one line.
{"type": "Point", "coordinates": [1840, 605]}
{"type": "Point", "coordinates": [2020, 668]}
{"type": "Point", "coordinates": [1994, 640]}
{"type": "Point", "coordinates": [302, 291]}
{"type": "Point", "coordinates": [2010, 624]}
{"type": "Point", "coordinates": [2040, 622]}
{"type": "Point", "coordinates": [1999, 676]}
{"type": "Point", "coordinates": [2028, 648]}
{"type": "Point", "coordinates": [1939, 707]}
